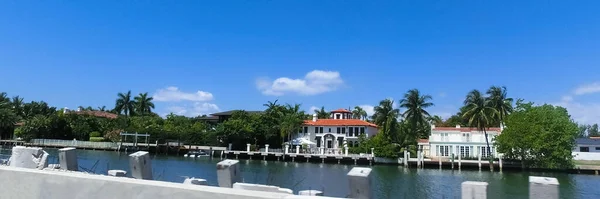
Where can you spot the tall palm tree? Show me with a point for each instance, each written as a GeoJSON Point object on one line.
{"type": "Point", "coordinates": [386, 117]}
{"type": "Point", "coordinates": [291, 119]}
{"type": "Point", "coordinates": [479, 113]}
{"type": "Point", "coordinates": [4, 100]}
{"type": "Point", "coordinates": [143, 103]}
{"type": "Point", "coordinates": [18, 106]}
{"type": "Point", "coordinates": [415, 113]}
{"type": "Point", "coordinates": [500, 102]}
{"type": "Point", "coordinates": [436, 120]}
{"type": "Point", "coordinates": [322, 113]}
{"type": "Point", "coordinates": [359, 113]}
{"type": "Point", "coordinates": [124, 104]}
{"type": "Point", "coordinates": [102, 108]}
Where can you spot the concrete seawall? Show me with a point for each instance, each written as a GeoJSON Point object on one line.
{"type": "Point", "coordinates": [25, 183]}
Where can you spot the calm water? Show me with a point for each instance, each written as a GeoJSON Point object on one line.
{"type": "Point", "coordinates": [389, 181]}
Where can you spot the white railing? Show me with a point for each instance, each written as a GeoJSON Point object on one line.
{"type": "Point", "coordinates": [74, 143]}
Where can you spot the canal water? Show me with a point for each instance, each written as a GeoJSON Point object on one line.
{"type": "Point", "coordinates": [388, 181]}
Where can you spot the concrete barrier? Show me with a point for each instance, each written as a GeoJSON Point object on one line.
{"type": "Point", "coordinates": [543, 187]}
{"type": "Point", "coordinates": [359, 179]}
{"type": "Point", "coordinates": [474, 190]}
{"type": "Point", "coordinates": [34, 184]}
{"type": "Point", "coordinates": [28, 157]}
{"type": "Point", "coordinates": [260, 187]}
{"type": "Point", "coordinates": [68, 159]}
{"type": "Point", "coordinates": [228, 173]}
{"type": "Point", "coordinates": [140, 165]}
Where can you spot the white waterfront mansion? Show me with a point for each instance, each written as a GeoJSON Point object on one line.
{"type": "Point", "coordinates": [464, 141]}
{"type": "Point", "coordinates": [333, 134]}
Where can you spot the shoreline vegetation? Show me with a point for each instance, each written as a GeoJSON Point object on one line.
{"type": "Point", "coordinates": [540, 136]}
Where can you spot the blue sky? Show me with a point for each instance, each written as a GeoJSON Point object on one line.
{"type": "Point", "coordinates": [199, 57]}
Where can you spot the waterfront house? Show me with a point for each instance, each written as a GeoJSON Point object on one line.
{"type": "Point", "coordinates": [587, 145]}
{"type": "Point", "coordinates": [464, 141]}
{"type": "Point", "coordinates": [338, 131]}
{"type": "Point", "coordinates": [220, 117]}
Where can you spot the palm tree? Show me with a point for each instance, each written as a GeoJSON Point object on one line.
{"type": "Point", "coordinates": [4, 100]}
{"type": "Point", "coordinates": [359, 113]}
{"type": "Point", "coordinates": [386, 117]}
{"type": "Point", "coordinates": [479, 113]}
{"type": "Point", "coordinates": [125, 104]}
{"type": "Point", "coordinates": [436, 120]}
{"type": "Point", "coordinates": [291, 120]}
{"type": "Point", "coordinates": [415, 113]}
{"type": "Point", "coordinates": [102, 108]}
{"type": "Point", "coordinates": [322, 113]}
{"type": "Point", "coordinates": [497, 99]}
{"type": "Point", "coordinates": [18, 106]}
{"type": "Point", "coordinates": [143, 103]}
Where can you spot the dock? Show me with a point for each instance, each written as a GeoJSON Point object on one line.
{"type": "Point", "coordinates": [356, 159]}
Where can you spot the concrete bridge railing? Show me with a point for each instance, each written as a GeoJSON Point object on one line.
{"type": "Point", "coordinates": [28, 177]}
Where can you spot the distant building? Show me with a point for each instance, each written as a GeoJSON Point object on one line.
{"type": "Point", "coordinates": [587, 145]}
{"type": "Point", "coordinates": [222, 116]}
{"type": "Point", "coordinates": [464, 141]}
{"type": "Point", "coordinates": [331, 135]}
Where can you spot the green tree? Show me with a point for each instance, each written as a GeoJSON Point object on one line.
{"type": "Point", "coordinates": [415, 104]}
{"type": "Point", "coordinates": [386, 117]}
{"type": "Point", "coordinates": [498, 100]}
{"type": "Point", "coordinates": [593, 130]}
{"type": "Point", "coordinates": [124, 104]}
{"type": "Point", "coordinates": [480, 114]}
{"type": "Point", "coordinates": [322, 113]}
{"type": "Point", "coordinates": [18, 106]}
{"type": "Point", "coordinates": [539, 136]}
{"type": "Point", "coordinates": [359, 113]}
{"type": "Point", "coordinates": [143, 104]}
{"type": "Point", "coordinates": [436, 120]}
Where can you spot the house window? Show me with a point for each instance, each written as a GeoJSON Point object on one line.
{"type": "Point", "coordinates": [485, 152]}
{"type": "Point", "coordinates": [337, 116]}
{"type": "Point", "coordinates": [306, 129]}
{"type": "Point", "coordinates": [444, 151]}
{"type": "Point", "coordinates": [329, 130]}
{"type": "Point", "coordinates": [318, 139]}
{"type": "Point", "coordinates": [343, 130]}
{"type": "Point", "coordinates": [465, 151]}
{"type": "Point", "coordinates": [444, 137]}
{"type": "Point", "coordinates": [584, 149]}
{"type": "Point", "coordinates": [362, 130]}
{"type": "Point", "coordinates": [320, 129]}
{"type": "Point", "coordinates": [351, 131]}
{"type": "Point", "coordinates": [356, 131]}
{"type": "Point", "coordinates": [316, 130]}
{"type": "Point", "coordinates": [597, 148]}
{"type": "Point", "coordinates": [466, 137]}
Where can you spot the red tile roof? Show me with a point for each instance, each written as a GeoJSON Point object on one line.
{"type": "Point", "coordinates": [463, 129]}
{"type": "Point", "coordinates": [341, 110]}
{"type": "Point", "coordinates": [97, 114]}
{"type": "Point", "coordinates": [423, 141]}
{"type": "Point", "coordinates": [339, 122]}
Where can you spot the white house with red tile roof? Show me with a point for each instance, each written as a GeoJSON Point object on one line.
{"type": "Point", "coordinates": [463, 141]}
{"type": "Point", "coordinates": [333, 134]}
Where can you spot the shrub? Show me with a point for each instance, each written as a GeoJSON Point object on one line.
{"type": "Point", "coordinates": [96, 139]}
{"type": "Point", "coordinates": [95, 134]}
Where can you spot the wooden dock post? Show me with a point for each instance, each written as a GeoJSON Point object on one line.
{"type": "Point", "coordinates": [500, 162]}
{"type": "Point", "coordinates": [266, 148]}
{"type": "Point", "coordinates": [479, 160]}
{"type": "Point", "coordinates": [440, 162]}
{"type": "Point", "coordinates": [543, 187]}
{"type": "Point", "coordinates": [359, 179]}
{"type": "Point", "coordinates": [418, 159]}
{"type": "Point", "coordinates": [287, 149]}
{"type": "Point", "coordinates": [459, 161]}
{"type": "Point", "coordinates": [298, 149]}
{"type": "Point", "coordinates": [452, 161]}
{"type": "Point", "coordinates": [248, 148]}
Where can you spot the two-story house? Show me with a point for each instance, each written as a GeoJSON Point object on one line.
{"type": "Point", "coordinates": [333, 134]}
{"type": "Point", "coordinates": [464, 141]}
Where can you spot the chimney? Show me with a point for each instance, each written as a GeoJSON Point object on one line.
{"type": "Point", "coordinates": [458, 126]}
{"type": "Point", "coordinates": [432, 126]}
{"type": "Point", "coordinates": [314, 117]}
{"type": "Point", "coordinates": [66, 110]}
{"type": "Point", "coordinates": [79, 109]}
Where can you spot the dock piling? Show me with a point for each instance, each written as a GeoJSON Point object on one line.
{"type": "Point", "coordinates": [474, 190]}
{"type": "Point", "coordinates": [228, 173]}
{"type": "Point", "coordinates": [359, 179]}
{"type": "Point", "coordinates": [140, 166]}
{"type": "Point", "coordinates": [67, 158]}
{"type": "Point", "coordinates": [543, 187]}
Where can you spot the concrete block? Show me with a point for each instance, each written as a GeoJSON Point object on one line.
{"type": "Point", "coordinates": [228, 173]}
{"type": "Point", "coordinates": [195, 181]}
{"type": "Point", "coordinates": [140, 165]}
{"type": "Point", "coordinates": [543, 187]}
{"type": "Point", "coordinates": [260, 187]}
{"type": "Point", "coordinates": [117, 173]}
{"type": "Point", "coordinates": [310, 193]}
{"type": "Point", "coordinates": [359, 179]}
{"type": "Point", "coordinates": [28, 157]}
{"type": "Point", "coordinates": [474, 190]}
{"type": "Point", "coordinates": [68, 159]}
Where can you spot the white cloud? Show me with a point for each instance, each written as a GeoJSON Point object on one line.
{"type": "Point", "coordinates": [196, 109]}
{"type": "Point", "coordinates": [173, 94]}
{"type": "Point", "coordinates": [585, 113]}
{"type": "Point", "coordinates": [442, 94]}
{"type": "Point", "coordinates": [313, 83]}
{"type": "Point", "coordinates": [588, 89]}
{"type": "Point", "coordinates": [368, 108]}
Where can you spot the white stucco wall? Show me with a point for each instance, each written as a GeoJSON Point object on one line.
{"type": "Point", "coordinates": [37, 184]}
{"type": "Point", "coordinates": [586, 156]}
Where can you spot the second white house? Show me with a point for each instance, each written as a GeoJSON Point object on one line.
{"type": "Point", "coordinates": [464, 141]}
